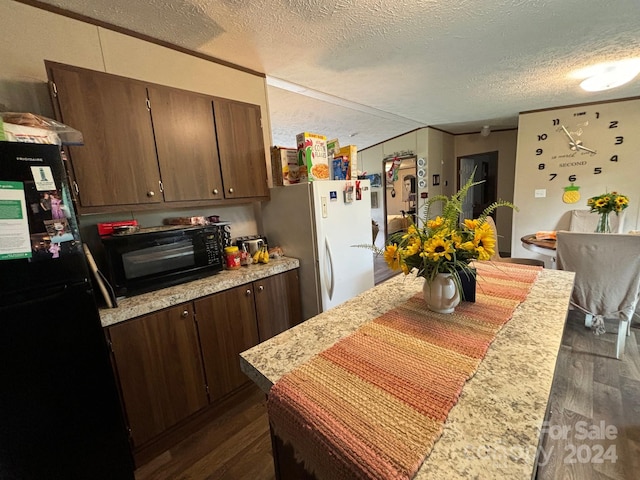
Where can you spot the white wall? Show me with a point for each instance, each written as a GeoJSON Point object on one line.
{"type": "Point", "coordinates": [551, 212]}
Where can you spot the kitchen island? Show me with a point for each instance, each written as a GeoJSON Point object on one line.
{"type": "Point", "coordinates": [493, 430]}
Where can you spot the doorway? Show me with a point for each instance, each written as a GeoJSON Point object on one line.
{"type": "Point", "coordinates": [399, 177]}
{"type": "Point", "coordinates": [400, 189]}
{"type": "Point", "coordinates": [483, 195]}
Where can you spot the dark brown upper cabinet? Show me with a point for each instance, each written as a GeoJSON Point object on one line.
{"type": "Point", "coordinates": [241, 147]}
{"type": "Point", "coordinates": [186, 144]}
{"type": "Point", "coordinates": [149, 146]}
{"type": "Point", "coordinates": [117, 164]}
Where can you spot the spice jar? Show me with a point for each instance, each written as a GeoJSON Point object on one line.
{"type": "Point", "coordinates": [232, 258]}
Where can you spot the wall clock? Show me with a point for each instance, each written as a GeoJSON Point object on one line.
{"type": "Point", "coordinates": [572, 144]}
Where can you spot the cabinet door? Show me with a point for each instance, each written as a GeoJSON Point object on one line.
{"type": "Point", "coordinates": [186, 144]}
{"type": "Point", "coordinates": [227, 326]}
{"type": "Point", "coordinates": [160, 370]}
{"type": "Point", "coordinates": [117, 164]}
{"type": "Point", "coordinates": [278, 305]}
{"type": "Point", "coordinates": [241, 147]}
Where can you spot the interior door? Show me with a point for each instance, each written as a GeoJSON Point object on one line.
{"type": "Point", "coordinates": [466, 169]}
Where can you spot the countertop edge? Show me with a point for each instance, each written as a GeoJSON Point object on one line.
{"type": "Point", "coordinates": [135, 306]}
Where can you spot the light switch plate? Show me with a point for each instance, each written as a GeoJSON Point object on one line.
{"type": "Point", "coordinates": [540, 193]}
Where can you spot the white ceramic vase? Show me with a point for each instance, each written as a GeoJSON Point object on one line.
{"type": "Point", "coordinates": [441, 294]}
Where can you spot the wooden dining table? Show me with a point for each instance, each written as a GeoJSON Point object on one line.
{"type": "Point", "coordinates": [546, 247]}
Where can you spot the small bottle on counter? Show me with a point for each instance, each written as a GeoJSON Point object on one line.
{"type": "Point", "coordinates": [232, 258]}
{"type": "Point", "coordinates": [245, 258]}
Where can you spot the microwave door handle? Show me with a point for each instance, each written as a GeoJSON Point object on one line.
{"type": "Point", "coordinates": [329, 268]}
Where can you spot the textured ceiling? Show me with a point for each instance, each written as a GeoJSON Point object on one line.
{"type": "Point", "coordinates": [379, 68]}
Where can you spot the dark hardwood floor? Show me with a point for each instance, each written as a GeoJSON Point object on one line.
{"type": "Point", "coordinates": [233, 447]}
{"type": "Point", "coordinates": [590, 386]}
{"type": "Point", "coordinates": [381, 270]}
{"type": "Point", "coordinates": [593, 427]}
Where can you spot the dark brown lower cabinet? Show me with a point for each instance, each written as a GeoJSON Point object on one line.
{"type": "Point", "coordinates": [158, 364]}
{"type": "Point", "coordinates": [235, 320]}
{"type": "Point", "coordinates": [173, 363]}
{"type": "Point", "coordinates": [278, 305]}
{"type": "Point", "coordinates": [227, 326]}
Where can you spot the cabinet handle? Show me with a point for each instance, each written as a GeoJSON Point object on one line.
{"type": "Point", "coordinates": [215, 191]}
{"type": "Point", "coordinates": [248, 292]}
{"type": "Point", "coordinates": [150, 193]}
{"type": "Point", "coordinates": [231, 190]}
{"type": "Point", "coordinates": [185, 313]}
{"type": "Point", "coordinates": [260, 288]}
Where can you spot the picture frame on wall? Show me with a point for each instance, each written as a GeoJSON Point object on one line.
{"type": "Point", "coordinates": [375, 179]}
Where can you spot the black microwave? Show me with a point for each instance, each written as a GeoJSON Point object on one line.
{"type": "Point", "coordinates": [159, 257]}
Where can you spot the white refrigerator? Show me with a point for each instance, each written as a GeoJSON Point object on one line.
{"type": "Point", "coordinates": [319, 223]}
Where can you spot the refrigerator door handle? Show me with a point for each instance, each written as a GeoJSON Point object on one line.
{"type": "Point", "coordinates": [329, 267]}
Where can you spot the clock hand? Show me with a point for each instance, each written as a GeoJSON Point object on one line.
{"type": "Point", "coordinates": [572, 142]}
{"type": "Point", "coordinates": [585, 148]}
{"type": "Point", "coordinates": [575, 144]}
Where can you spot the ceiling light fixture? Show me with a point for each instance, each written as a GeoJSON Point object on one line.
{"type": "Point", "coordinates": [485, 131]}
{"type": "Point", "coordinates": [605, 76]}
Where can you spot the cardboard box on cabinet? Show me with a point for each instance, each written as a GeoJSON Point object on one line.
{"type": "Point", "coordinates": [284, 166]}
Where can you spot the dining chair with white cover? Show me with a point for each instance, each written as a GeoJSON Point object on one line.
{"type": "Point", "coordinates": [607, 281]}
{"type": "Point", "coordinates": [587, 221]}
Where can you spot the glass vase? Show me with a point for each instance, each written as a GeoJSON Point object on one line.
{"type": "Point", "coordinates": [603, 223]}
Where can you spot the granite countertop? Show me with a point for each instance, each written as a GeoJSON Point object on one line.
{"type": "Point", "coordinates": [137, 305]}
{"type": "Point", "coordinates": [493, 430]}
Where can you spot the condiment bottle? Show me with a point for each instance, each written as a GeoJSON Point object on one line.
{"type": "Point", "coordinates": [232, 258]}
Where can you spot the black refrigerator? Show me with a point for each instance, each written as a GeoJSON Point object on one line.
{"type": "Point", "coordinates": [60, 414]}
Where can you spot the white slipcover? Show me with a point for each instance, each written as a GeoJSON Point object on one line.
{"type": "Point", "coordinates": [607, 282]}
{"type": "Point", "coordinates": [587, 221]}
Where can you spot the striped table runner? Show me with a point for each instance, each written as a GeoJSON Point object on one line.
{"type": "Point", "coordinates": [374, 404]}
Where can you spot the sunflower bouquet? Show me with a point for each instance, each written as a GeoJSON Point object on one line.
{"type": "Point", "coordinates": [444, 244]}
{"type": "Point", "coordinates": [608, 202]}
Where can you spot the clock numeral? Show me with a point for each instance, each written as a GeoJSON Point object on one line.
{"type": "Point", "coordinates": [597, 114]}
{"type": "Point", "coordinates": [553, 175]}
{"type": "Point", "coordinates": [572, 178]}
{"type": "Point", "coordinates": [541, 166]}
{"type": "Point", "coordinates": [613, 124]}
{"type": "Point", "coordinates": [539, 151]}
{"type": "Point", "coordinates": [542, 137]}
{"type": "Point", "coordinates": [556, 122]}
{"type": "Point", "coordinates": [597, 170]}
{"type": "Point", "coordinates": [614, 158]}
{"type": "Point", "coordinates": [619, 140]}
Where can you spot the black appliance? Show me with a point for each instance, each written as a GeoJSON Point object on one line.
{"type": "Point", "coordinates": [60, 413]}
{"type": "Point", "coordinates": [159, 257]}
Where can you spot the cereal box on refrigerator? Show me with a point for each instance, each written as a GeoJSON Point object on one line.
{"type": "Point", "coordinates": [351, 153]}
{"type": "Point", "coordinates": [312, 153]}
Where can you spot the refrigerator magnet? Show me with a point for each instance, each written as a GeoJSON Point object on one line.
{"type": "Point", "coordinates": [43, 178]}
{"type": "Point", "coordinates": [333, 196]}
